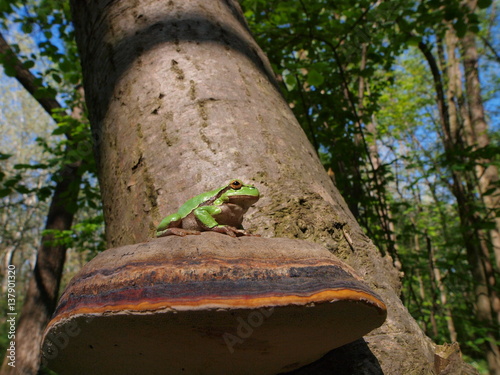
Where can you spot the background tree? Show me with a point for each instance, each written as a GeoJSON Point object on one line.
{"type": "Point", "coordinates": [70, 164]}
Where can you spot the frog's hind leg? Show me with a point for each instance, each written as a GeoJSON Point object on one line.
{"type": "Point", "coordinates": [232, 231]}
{"type": "Point", "coordinates": [177, 232]}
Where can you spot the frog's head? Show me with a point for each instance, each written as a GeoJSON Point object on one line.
{"type": "Point", "coordinates": [243, 195]}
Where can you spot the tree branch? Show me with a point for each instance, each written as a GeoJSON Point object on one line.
{"type": "Point", "coordinates": [25, 77]}
{"type": "Point", "coordinates": [491, 48]}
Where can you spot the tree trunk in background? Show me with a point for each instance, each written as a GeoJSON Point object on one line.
{"type": "Point", "coordinates": [467, 206]}
{"type": "Point", "coordinates": [435, 275]}
{"type": "Point", "coordinates": [486, 171]}
{"type": "Point", "coordinates": [378, 190]}
{"type": "Point", "coordinates": [475, 131]}
{"type": "Point", "coordinates": [434, 271]}
{"type": "Point", "coordinates": [41, 296]}
{"type": "Point", "coordinates": [17, 238]}
{"type": "Point", "coordinates": [434, 289]}
{"type": "Point", "coordinates": [181, 100]}
{"type": "Point", "coordinates": [352, 186]}
{"type": "Point", "coordinates": [464, 133]}
{"type": "Point", "coordinates": [376, 179]}
{"type": "Point", "coordinates": [455, 92]}
{"type": "Point", "coordinates": [487, 176]}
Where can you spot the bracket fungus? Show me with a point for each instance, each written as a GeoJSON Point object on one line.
{"type": "Point", "coordinates": [208, 304]}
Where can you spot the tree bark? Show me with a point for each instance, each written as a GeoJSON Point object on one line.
{"type": "Point", "coordinates": [181, 99]}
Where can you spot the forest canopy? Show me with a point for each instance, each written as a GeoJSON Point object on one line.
{"type": "Point", "coordinates": [400, 99]}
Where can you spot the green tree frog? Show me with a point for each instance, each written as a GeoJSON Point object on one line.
{"type": "Point", "coordinates": [219, 210]}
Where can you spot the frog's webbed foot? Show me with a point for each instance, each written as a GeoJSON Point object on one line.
{"type": "Point", "coordinates": [176, 232]}
{"type": "Point", "coordinates": [232, 231]}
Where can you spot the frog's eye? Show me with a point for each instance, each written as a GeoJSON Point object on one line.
{"type": "Point", "coordinates": [235, 184]}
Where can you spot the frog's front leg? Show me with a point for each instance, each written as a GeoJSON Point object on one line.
{"type": "Point", "coordinates": [205, 214]}
{"type": "Point", "coordinates": [170, 227]}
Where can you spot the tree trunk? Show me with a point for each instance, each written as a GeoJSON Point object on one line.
{"type": "Point", "coordinates": [181, 100]}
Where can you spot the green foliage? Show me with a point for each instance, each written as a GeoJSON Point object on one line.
{"type": "Point", "coordinates": [85, 236]}
{"type": "Point", "coordinates": [320, 53]}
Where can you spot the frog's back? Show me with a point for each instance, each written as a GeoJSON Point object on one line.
{"type": "Point", "coordinates": [195, 202]}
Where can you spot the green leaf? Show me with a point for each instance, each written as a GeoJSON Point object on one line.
{"type": "Point", "coordinates": [414, 41]}
{"type": "Point", "coordinates": [27, 27]}
{"type": "Point", "coordinates": [490, 191]}
{"type": "Point", "coordinates": [56, 77]}
{"type": "Point", "coordinates": [483, 4]}
{"type": "Point", "coordinates": [30, 166]}
{"type": "Point", "coordinates": [289, 80]}
{"type": "Point", "coordinates": [488, 225]}
{"type": "Point", "coordinates": [5, 7]}
{"type": "Point", "coordinates": [45, 92]}
{"type": "Point", "coordinates": [9, 68]}
{"type": "Point", "coordinates": [11, 182]}
{"type": "Point", "coordinates": [66, 66]}
{"type": "Point", "coordinates": [460, 27]}
{"type": "Point", "coordinates": [28, 64]}
{"type": "Point", "coordinates": [314, 78]}
{"type": "Point", "coordinates": [44, 193]}
{"type": "Point", "coordinates": [5, 192]}
{"type": "Point", "coordinates": [60, 130]}
{"type": "Point", "coordinates": [22, 189]}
